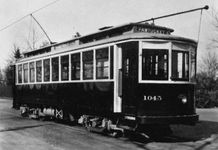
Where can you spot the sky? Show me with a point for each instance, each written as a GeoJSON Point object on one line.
{"type": "Point", "coordinates": [64, 18]}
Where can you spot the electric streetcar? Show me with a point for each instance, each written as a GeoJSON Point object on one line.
{"type": "Point", "coordinates": [120, 78]}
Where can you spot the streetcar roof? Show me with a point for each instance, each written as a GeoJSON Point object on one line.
{"type": "Point", "coordinates": [113, 34]}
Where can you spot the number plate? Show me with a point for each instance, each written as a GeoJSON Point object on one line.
{"type": "Point", "coordinates": [152, 98]}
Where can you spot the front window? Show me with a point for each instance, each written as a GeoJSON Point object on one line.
{"type": "Point", "coordinates": [180, 65]}
{"type": "Point", "coordinates": [154, 64]}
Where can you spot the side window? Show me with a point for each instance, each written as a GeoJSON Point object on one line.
{"type": "Point", "coordinates": [65, 68]}
{"type": "Point", "coordinates": [154, 64]}
{"type": "Point", "coordinates": [102, 63]}
{"type": "Point", "coordinates": [39, 71]}
{"type": "Point", "coordinates": [55, 69]}
{"type": "Point", "coordinates": [88, 65]}
{"type": "Point", "coordinates": [25, 73]}
{"type": "Point", "coordinates": [46, 66]}
{"type": "Point", "coordinates": [32, 71]}
{"type": "Point", "coordinates": [19, 73]}
{"type": "Point", "coordinates": [75, 66]}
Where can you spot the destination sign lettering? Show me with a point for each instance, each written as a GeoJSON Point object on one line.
{"type": "Point", "coordinates": [150, 30]}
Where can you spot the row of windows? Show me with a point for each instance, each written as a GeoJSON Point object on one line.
{"type": "Point", "coordinates": [79, 65]}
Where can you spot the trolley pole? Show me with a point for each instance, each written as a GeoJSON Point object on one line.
{"type": "Point", "coordinates": [206, 7]}
{"type": "Point", "coordinates": [41, 28]}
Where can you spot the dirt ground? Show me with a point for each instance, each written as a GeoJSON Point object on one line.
{"type": "Point", "coordinates": [25, 134]}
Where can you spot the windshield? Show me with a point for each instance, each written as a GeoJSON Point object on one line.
{"type": "Point", "coordinates": [154, 64]}
{"type": "Point", "coordinates": [175, 62]}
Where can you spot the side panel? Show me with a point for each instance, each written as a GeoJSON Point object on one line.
{"type": "Point", "coordinates": [165, 99]}
{"type": "Point", "coordinates": [85, 98]}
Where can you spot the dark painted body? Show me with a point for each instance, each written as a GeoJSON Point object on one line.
{"type": "Point", "coordinates": [77, 98]}
{"type": "Point", "coordinates": [97, 98]}
{"type": "Point", "coordinates": [169, 109]}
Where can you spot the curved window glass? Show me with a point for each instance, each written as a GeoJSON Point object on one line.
{"type": "Point", "coordinates": [193, 64]}
{"type": "Point", "coordinates": [180, 65]}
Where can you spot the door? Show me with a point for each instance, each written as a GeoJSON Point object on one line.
{"type": "Point", "coordinates": [129, 77]}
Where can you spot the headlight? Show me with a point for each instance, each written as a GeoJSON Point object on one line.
{"type": "Point", "coordinates": [183, 99]}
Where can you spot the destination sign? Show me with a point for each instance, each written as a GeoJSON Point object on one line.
{"type": "Point", "coordinates": [151, 30]}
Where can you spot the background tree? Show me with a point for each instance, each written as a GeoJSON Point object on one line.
{"type": "Point", "coordinates": [209, 64]}
{"type": "Point", "coordinates": [1, 77]}
{"type": "Point", "coordinates": [17, 54]}
{"type": "Point", "coordinates": [9, 69]}
{"type": "Point", "coordinates": [206, 81]}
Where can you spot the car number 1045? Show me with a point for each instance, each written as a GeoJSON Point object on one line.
{"type": "Point", "coordinates": [152, 98]}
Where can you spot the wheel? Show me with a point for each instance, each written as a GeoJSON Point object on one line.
{"type": "Point", "coordinates": [24, 112]}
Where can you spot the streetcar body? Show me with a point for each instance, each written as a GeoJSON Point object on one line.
{"type": "Point", "coordinates": [133, 73]}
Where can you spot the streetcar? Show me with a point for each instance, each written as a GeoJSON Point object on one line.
{"type": "Point", "coordinates": [126, 77]}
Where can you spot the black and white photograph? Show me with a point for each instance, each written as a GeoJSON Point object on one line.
{"type": "Point", "coordinates": [108, 75]}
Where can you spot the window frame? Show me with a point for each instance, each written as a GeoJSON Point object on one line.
{"type": "Point", "coordinates": [32, 68]}
{"type": "Point", "coordinates": [39, 66]}
{"type": "Point", "coordinates": [26, 74]}
{"type": "Point", "coordinates": [20, 73]}
{"type": "Point", "coordinates": [170, 45]}
{"type": "Point", "coordinates": [68, 67]}
{"type": "Point", "coordinates": [52, 68]}
{"type": "Point", "coordinates": [107, 58]}
{"type": "Point", "coordinates": [89, 61]}
{"type": "Point", "coordinates": [41, 73]}
{"type": "Point", "coordinates": [46, 71]}
{"type": "Point", "coordinates": [75, 64]}
{"type": "Point", "coordinates": [154, 61]}
{"type": "Point", "coordinates": [153, 45]}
